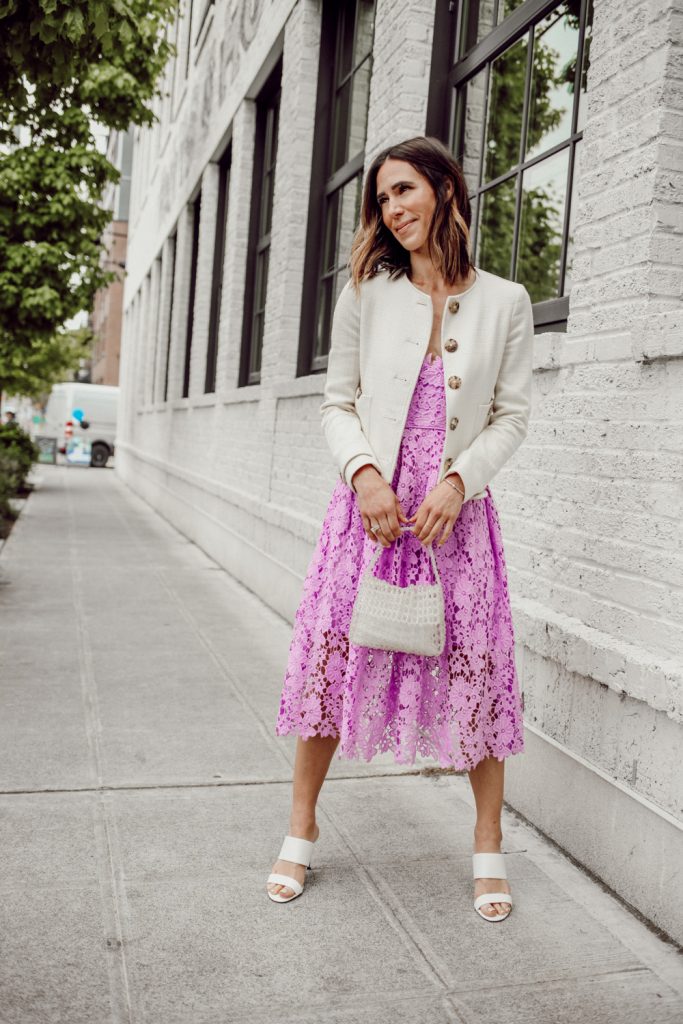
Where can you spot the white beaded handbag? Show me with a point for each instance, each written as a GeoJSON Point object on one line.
{"type": "Point", "coordinates": [392, 618]}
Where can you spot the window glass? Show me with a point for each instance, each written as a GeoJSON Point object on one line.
{"type": "Point", "coordinates": [504, 9]}
{"type": "Point", "coordinates": [551, 96]}
{"type": "Point", "coordinates": [519, 224]}
{"type": "Point", "coordinates": [476, 20]}
{"type": "Point", "coordinates": [495, 231]}
{"type": "Point", "coordinates": [344, 91]}
{"type": "Point", "coordinates": [544, 188]}
{"type": "Point", "coordinates": [504, 110]}
{"type": "Point", "coordinates": [471, 109]}
{"type": "Point", "coordinates": [349, 217]}
{"type": "Point", "coordinates": [256, 292]}
{"type": "Point", "coordinates": [352, 81]}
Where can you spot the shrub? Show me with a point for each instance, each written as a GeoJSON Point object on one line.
{"type": "Point", "coordinates": [17, 454]}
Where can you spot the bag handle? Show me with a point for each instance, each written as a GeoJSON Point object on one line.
{"type": "Point", "coordinates": [403, 526]}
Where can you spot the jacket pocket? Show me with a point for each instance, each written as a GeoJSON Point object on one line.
{"type": "Point", "coordinates": [363, 408]}
{"type": "Point", "coordinates": [483, 413]}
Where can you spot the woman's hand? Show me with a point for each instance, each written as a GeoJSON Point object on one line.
{"type": "Point", "coordinates": [439, 510]}
{"type": "Point", "coordinates": [378, 503]}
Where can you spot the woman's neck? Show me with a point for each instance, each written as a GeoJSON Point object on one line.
{"type": "Point", "coordinates": [423, 274]}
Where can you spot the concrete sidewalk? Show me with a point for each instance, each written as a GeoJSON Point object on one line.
{"type": "Point", "coordinates": [145, 796]}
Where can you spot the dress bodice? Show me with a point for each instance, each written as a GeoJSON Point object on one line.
{"type": "Point", "coordinates": [428, 405]}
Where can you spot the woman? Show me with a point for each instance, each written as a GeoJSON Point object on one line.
{"type": "Point", "coordinates": [427, 395]}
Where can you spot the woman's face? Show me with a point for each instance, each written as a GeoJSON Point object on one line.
{"type": "Point", "coordinates": [407, 201]}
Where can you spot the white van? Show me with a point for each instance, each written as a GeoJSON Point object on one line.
{"type": "Point", "coordinates": [83, 413]}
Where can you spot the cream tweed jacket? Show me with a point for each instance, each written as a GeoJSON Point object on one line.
{"type": "Point", "coordinates": [378, 344]}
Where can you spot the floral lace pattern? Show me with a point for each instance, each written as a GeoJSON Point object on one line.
{"type": "Point", "coordinates": [458, 707]}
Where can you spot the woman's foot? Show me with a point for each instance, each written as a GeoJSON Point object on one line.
{"type": "Point", "coordinates": [489, 842]}
{"type": "Point", "coordinates": [309, 831]}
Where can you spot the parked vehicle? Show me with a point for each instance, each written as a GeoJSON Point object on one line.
{"type": "Point", "coordinates": [83, 414]}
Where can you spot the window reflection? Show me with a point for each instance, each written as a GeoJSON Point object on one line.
{"type": "Point", "coordinates": [341, 219]}
{"type": "Point", "coordinates": [471, 109]}
{"type": "Point", "coordinates": [505, 105]}
{"type": "Point", "coordinates": [505, 9]}
{"type": "Point", "coordinates": [541, 226]}
{"type": "Point", "coordinates": [352, 85]}
{"type": "Point", "coordinates": [551, 98]}
{"type": "Point", "coordinates": [520, 223]}
{"type": "Point", "coordinates": [496, 228]}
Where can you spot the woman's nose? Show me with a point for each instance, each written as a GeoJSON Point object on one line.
{"type": "Point", "coordinates": [395, 209]}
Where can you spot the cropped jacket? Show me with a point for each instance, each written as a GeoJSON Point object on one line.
{"type": "Point", "coordinates": [379, 342]}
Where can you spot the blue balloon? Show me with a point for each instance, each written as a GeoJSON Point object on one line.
{"type": "Point", "coordinates": [78, 414]}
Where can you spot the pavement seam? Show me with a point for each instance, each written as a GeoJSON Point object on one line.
{"type": "Point", "coordinates": [392, 908]}
{"type": "Point", "coordinates": [223, 783]}
{"type": "Point", "coordinates": [107, 866]}
{"type": "Point", "coordinates": [112, 900]}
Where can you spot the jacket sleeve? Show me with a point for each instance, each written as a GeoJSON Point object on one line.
{"type": "Point", "coordinates": [509, 419]}
{"type": "Point", "coordinates": [341, 425]}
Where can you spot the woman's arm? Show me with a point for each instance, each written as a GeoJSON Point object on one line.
{"type": "Point", "coordinates": [508, 425]}
{"type": "Point", "coordinates": [342, 428]}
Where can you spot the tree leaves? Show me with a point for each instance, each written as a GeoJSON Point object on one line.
{"type": "Point", "coordinates": [63, 66]}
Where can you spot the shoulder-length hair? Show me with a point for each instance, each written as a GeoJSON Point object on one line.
{"type": "Point", "coordinates": [374, 248]}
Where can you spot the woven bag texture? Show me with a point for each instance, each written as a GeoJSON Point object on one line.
{"type": "Point", "coordinates": [409, 619]}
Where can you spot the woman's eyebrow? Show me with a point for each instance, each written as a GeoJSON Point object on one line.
{"type": "Point", "coordinates": [392, 187]}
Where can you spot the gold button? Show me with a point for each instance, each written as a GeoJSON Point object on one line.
{"type": "Point", "coordinates": [453, 306]}
{"type": "Point", "coordinates": [454, 382]}
{"type": "Point", "coordinates": [453, 422]}
{"type": "Point", "coordinates": [451, 345]}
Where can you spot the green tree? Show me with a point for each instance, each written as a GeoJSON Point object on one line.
{"type": "Point", "coordinates": [33, 371]}
{"type": "Point", "coordinates": [63, 66]}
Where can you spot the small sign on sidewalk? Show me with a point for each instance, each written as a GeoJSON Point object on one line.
{"type": "Point", "coordinates": [47, 447]}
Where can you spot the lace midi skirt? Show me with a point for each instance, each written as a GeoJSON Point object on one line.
{"type": "Point", "coordinates": [457, 707]}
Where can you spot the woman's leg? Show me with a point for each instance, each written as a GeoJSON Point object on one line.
{"type": "Point", "coordinates": [311, 764]}
{"type": "Point", "coordinates": [487, 780]}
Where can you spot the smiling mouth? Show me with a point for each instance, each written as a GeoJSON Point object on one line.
{"type": "Point", "coordinates": [404, 226]}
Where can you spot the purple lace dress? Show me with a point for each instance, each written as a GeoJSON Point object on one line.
{"type": "Point", "coordinates": [457, 707]}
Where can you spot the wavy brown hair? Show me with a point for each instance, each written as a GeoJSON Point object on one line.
{"type": "Point", "coordinates": [374, 247]}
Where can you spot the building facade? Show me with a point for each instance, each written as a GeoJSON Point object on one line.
{"type": "Point", "coordinates": [245, 196]}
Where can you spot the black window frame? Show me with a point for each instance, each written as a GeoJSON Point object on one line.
{"type": "Point", "coordinates": [156, 308]}
{"type": "Point", "coordinates": [194, 258]}
{"type": "Point", "coordinates": [224, 165]}
{"type": "Point", "coordinates": [173, 245]}
{"type": "Point", "coordinates": [325, 184]}
{"type": "Point", "coordinates": [449, 73]}
{"type": "Point", "coordinates": [203, 14]}
{"type": "Point", "coordinates": [266, 138]}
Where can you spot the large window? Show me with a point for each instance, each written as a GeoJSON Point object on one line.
{"type": "Point", "coordinates": [511, 105]}
{"type": "Point", "coordinates": [169, 329]}
{"type": "Point", "coordinates": [217, 274]}
{"type": "Point", "coordinates": [256, 284]}
{"type": "Point", "coordinates": [337, 171]}
{"type": "Point", "coordinates": [196, 216]}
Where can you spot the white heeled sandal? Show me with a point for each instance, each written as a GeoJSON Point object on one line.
{"type": "Point", "coordinates": [298, 851]}
{"type": "Point", "coordinates": [490, 865]}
